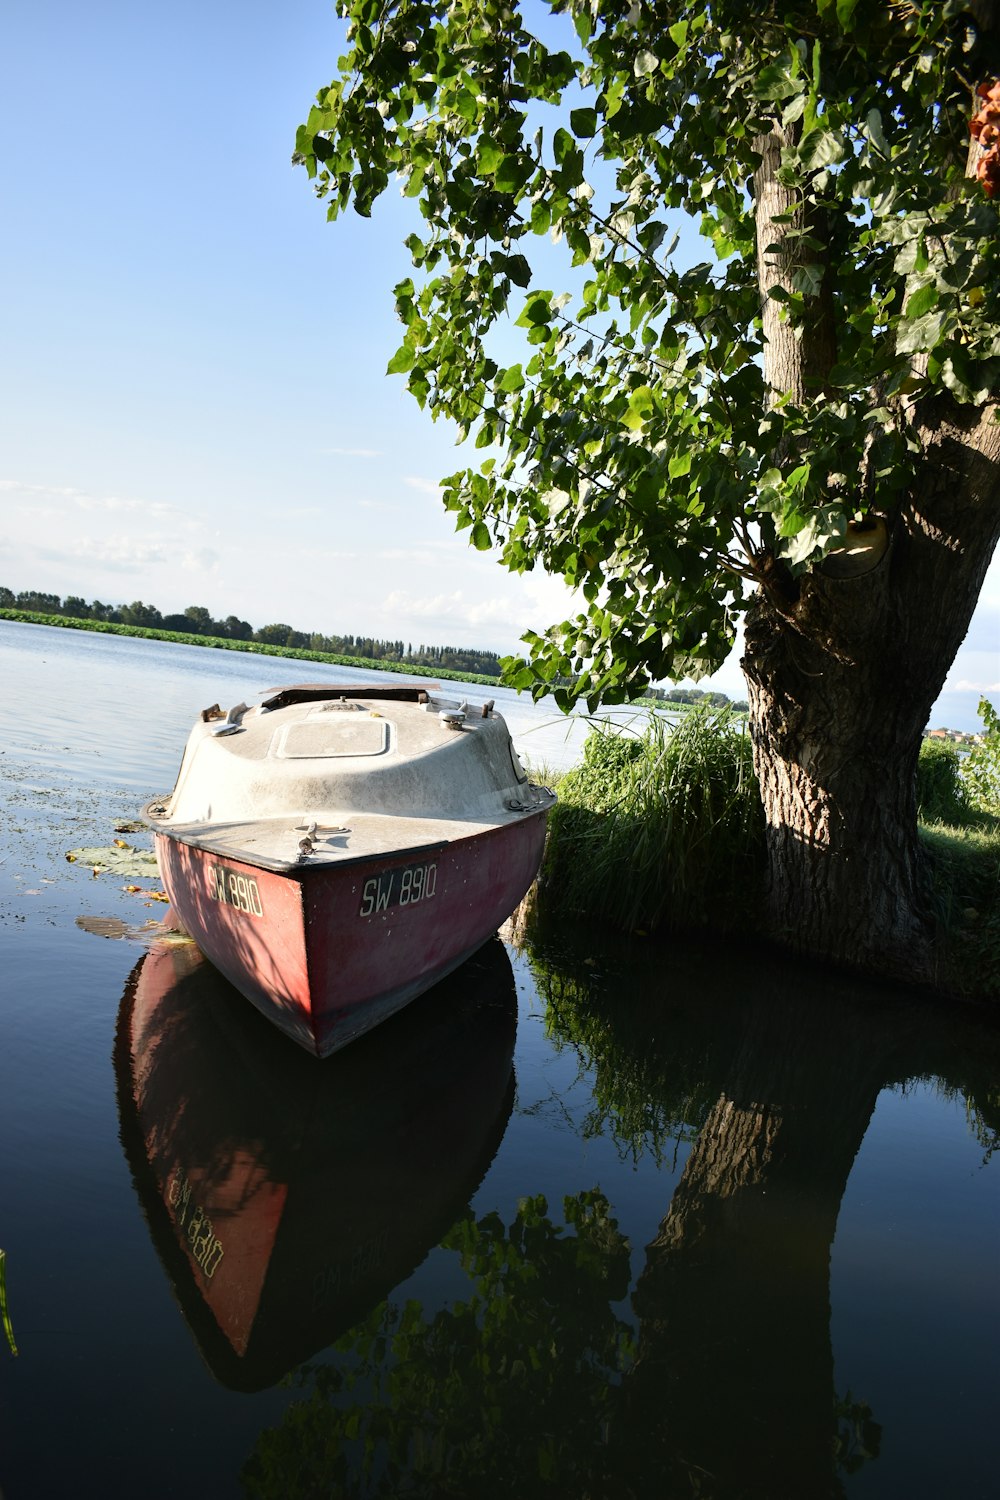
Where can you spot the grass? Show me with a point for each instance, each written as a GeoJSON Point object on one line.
{"type": "Point", "coordinates": [964, 865]}
{"type": "Point", "coordinates": [660, 825]}
{"type": "Point", "coordinates": [959, 807]}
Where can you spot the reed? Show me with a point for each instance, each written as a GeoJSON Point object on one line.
{"type": "Point", "coordinates": [4, 1314]}
{"type": "Point", "coordinates": [660, 826]}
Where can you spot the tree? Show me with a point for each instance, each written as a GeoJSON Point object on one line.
{"type": "Point", "coordinates": [200, 622]}
{"type": "Point", "coordinates": [138, 613]}
{"type": "Point", "coordinates": [802, 430]}
{"type": "Point", "coordinates": [43, 604]}
{"type": "Point", "coordinates": [278, 634]}
{"type": "Point", "coordinates": [237, 629]}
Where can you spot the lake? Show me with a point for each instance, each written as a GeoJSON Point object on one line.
{"type": "Point", "coordinates": [594, 1217]}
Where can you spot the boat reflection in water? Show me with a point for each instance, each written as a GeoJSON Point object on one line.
{"type": "Point", "coordinates": [285, 1198]}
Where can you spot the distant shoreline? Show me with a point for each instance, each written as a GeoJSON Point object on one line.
{"type": "Point", "coordinates": [298, 653]}
{"type": "Point", "coordinates": [251, 648]}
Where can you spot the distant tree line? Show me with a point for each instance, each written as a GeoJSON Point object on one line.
{"type": "Point", "coordinates": [696, 695]}
{"type": "Point", "coordinates": [196, 620]}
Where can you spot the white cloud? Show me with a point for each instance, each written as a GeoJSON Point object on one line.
{"type": "Point", "coordinates": [16, 486]}
{"type": "Point", "coordinates": [425, 608]}
{"type": "Point", "coordinates": [39, 501]}
{"type": "Point", "coordinates": [204, 560]}
{"type": "Point", "coordinates": [425, 486]}
{"type": "Point", "coordinates": [122, 553]}
{"type": "Point", "coordinates": [117, 505]}
{"type": "Point", "coordinates": [497, 621]}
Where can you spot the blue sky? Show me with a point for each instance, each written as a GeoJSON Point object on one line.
{"type": "Point", "coordinates": [193, 405]}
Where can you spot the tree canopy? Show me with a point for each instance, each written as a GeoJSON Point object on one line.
{"type": "Point", "coordinates": [666, 436]}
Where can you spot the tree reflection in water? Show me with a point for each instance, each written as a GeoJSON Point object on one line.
{"type": "Point", "coordinates": [536, 1384]}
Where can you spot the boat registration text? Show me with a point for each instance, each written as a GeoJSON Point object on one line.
{"type": "Point", "coordinates": [239, 891]}
{"type": "Point", "coordinates": [398, 888]}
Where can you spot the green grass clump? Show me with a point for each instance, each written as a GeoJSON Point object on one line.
{"type": "Point", "coordinates": [941, 794]}
{"type": "Point", "coordinates": [981, 767]}
{"type": "Point", "coordinates": [660, 826]}
{"type": "Point", "coordinates": [959, 809]}
{"type": "Point", "coordinates": [964, 864]}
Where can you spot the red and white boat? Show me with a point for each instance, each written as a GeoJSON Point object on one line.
{"type": "Point", "coordinates": [335, 851]}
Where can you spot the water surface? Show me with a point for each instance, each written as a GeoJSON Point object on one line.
{"type": "Point", "coordinates": [590, 1218]}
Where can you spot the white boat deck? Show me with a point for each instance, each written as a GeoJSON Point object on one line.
{"type": "Point", "coordinates": [330, 781]}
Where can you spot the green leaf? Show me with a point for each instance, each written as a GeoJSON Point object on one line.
{"type": "Point", "coordinates": [821, 147]}
{"type": "Point", "coordinates": [873, 129]}
{"type": "Point", "coordinates": [679, 465]}
{"type": "Point", "coordinates": [489, 155]}
{"type": "Point", "coordinates": [916, 334]}
{"type": "Point", "coordinates": [480, 537]}
{"type": "Point", "coordinates": [536, 312]}
{"type": "Point", "coordinates": [512, 173]}
{"type": "Point", "coordinates": [583, 123]}
{"type": "Point", "coordinates": [921, 301]}
{"type": "Point", "coordinates": [513, 379]}
{"type": "Point", "coordinates": [640, 408]}
{"type": "Point", "coordinates": [845, 14]}
{"type": "Point", "coordinates": [403, 360]}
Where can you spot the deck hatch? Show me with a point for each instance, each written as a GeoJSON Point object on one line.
{"type": "Point", "coordinates": [332, 738]}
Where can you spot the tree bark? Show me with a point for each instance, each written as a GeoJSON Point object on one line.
{"type": "Point", "coordinates": [842, 671]}
{"type": "Point", "coordinates": [795, 366]}
{"type": "Point", "coordinates": [841, 683]}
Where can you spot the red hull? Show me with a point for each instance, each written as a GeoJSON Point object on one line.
{"type": "Point", "coordinates": [326, 952]}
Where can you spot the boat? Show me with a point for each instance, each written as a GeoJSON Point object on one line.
{"type": "Point", "coordinates": [337, 850]}
{"type": "Point", "coordinates": [286, 1201]}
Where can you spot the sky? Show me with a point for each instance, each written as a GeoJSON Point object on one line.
{"type": "Point", "coordinates": [193, 400]}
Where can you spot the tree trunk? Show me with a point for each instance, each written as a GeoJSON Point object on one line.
{"type": "Point", "coordinates": [844, 663]}
{"type": "Point", "coordinates": [842, 679]}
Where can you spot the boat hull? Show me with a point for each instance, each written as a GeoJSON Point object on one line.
{"type": "Point", "coordinates": [328, 951]}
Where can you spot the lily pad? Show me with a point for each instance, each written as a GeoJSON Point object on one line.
{"type": "Point", "coordinates": [121, 861]}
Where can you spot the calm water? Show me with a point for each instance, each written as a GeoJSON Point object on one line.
{"type": "Point", "coordinates": [588, 1220]}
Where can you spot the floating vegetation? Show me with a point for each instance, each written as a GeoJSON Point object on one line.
{"type": "Point", "coordinates": [118, 858]}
